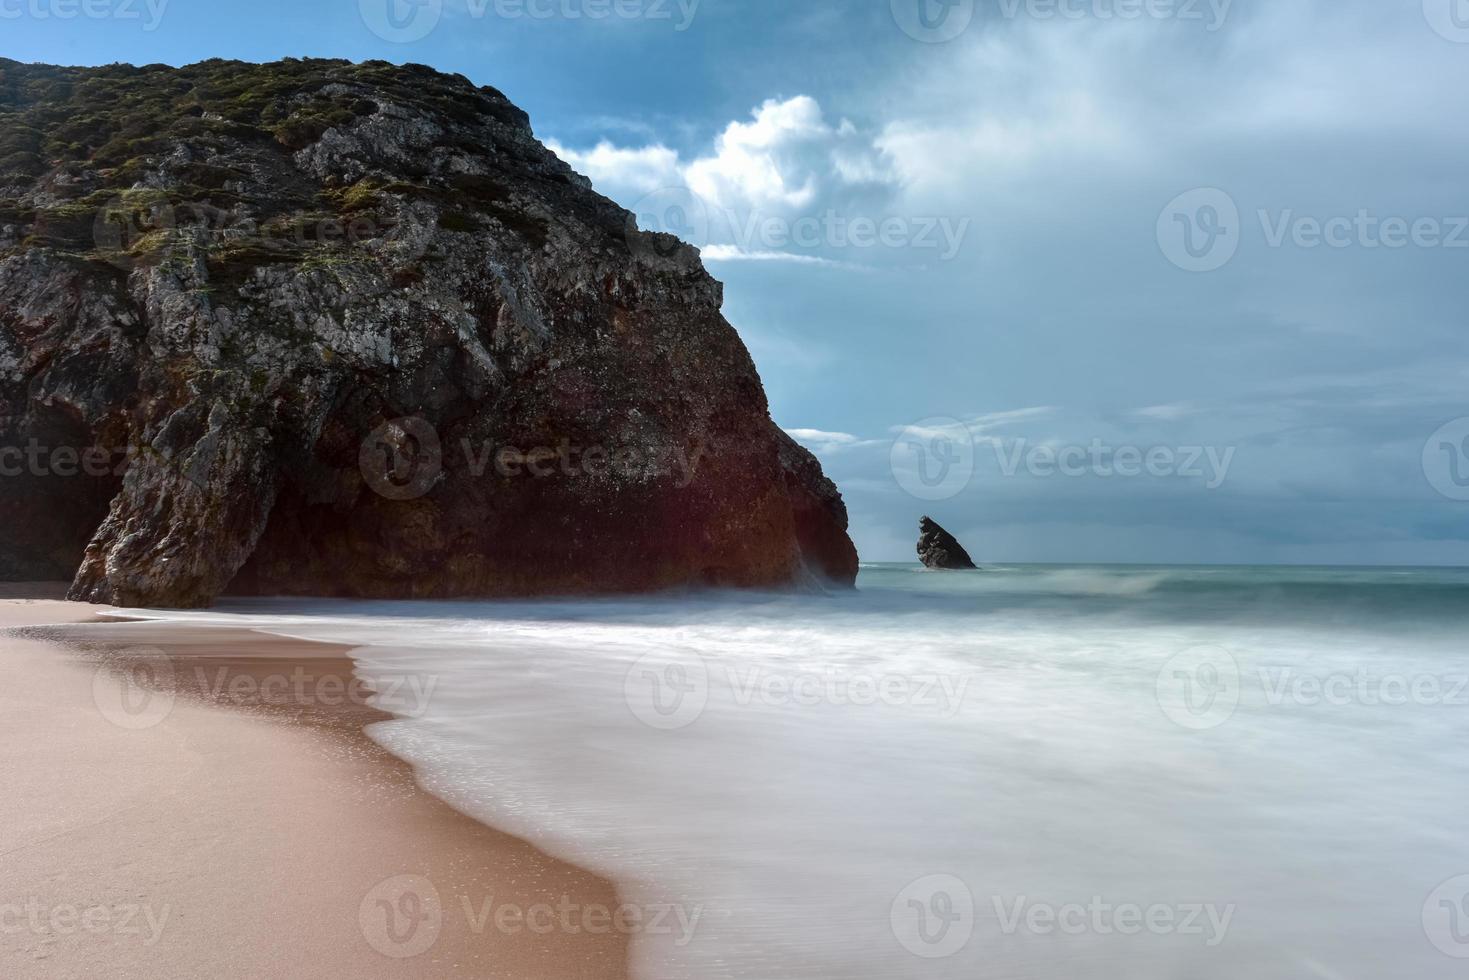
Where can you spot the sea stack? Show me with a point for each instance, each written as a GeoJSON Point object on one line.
{"type": "Point", "coordinates": [938, 548]}
{"type": "Point", "coordinates": [322, 328]}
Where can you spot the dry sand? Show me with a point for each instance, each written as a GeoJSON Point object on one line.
{"type": "Point", "coordinates": [249, 834]}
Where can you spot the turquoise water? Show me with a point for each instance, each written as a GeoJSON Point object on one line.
{"type": "Point", "coordinates": [975, 774]}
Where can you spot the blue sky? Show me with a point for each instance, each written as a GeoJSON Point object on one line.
{"type": "Point", "coordinates": [1086, 280]}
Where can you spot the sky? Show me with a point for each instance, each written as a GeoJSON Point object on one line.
{"type": "Point", "coordinates": [1174, 281]}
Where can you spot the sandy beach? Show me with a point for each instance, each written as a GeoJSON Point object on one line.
{"type": "Point", "coordinates": [231, 819]}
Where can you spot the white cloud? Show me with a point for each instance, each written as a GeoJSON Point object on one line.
{"type": "Point", "coordinates": [995, 420]}
{"type": "Point", "coordinates": [1118, 98]}
{"type": "Point", "coordinates": [820, 435]}
{"type": "Point", "coordinates": [975, 426]}
{"type": "Point", "coordinates": [620, 171]}
{"type": "Point", "coordinates": [1167, 413]}
{"type": "Point", "coordinates": [734, 253]}
{"type": "Point", "coordinates": [822, 442]}
{"type": "Point", "coordinates": [778, 162]}
{"type": "Point", "coordinates": [784, 160]}
{"type": "Point", "coordinates": [785, 163]}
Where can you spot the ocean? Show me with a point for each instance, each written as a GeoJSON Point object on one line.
{"type": "Point", "coordinates": [1024, 771]}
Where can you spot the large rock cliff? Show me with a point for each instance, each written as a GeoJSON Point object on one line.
{"type": "Point", "coordinates": [321, 328]}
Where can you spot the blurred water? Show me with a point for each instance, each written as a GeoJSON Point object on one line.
{"type": "Point", "coordinates": [972, 774]}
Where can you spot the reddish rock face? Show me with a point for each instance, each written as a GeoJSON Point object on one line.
{"type": "Point", "coordinates": [351, 330]}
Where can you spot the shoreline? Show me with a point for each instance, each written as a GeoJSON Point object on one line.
{"type": "Point", "coordinates": [199, 801]}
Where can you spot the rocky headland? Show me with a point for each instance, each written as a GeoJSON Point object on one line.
{"type": "Point", "coordinates": [322, 328]}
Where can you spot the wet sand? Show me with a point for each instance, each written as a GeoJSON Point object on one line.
{"type": "Point", "coordinates": [189, 803]}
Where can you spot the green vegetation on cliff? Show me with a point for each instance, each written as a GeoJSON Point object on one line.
{"type": "Point", "coordinates": [80, 150]}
